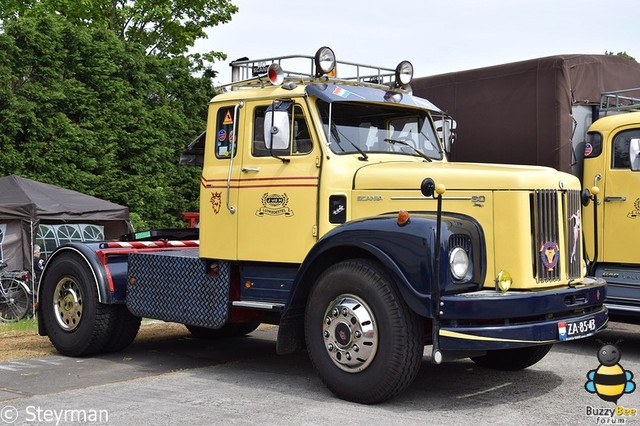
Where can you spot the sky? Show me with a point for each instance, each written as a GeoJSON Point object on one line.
{"type": "Point", "coordinates": [437, 37]}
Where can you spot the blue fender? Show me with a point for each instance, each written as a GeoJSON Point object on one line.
{"type": "Point", "coordinates": [87, 254]}
{"type": "Point", "coordinates": [406, 252]}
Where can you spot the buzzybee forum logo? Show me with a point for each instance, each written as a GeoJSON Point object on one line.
{"type": "Point", "coordinates": [610, 381]}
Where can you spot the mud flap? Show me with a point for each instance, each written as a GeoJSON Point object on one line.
{"type": "Point", "coordinates": [176, 286]}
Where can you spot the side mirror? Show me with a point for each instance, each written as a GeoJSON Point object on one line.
{"type": "Point", "coordinates": [446, 129]}
{"type": "Point", "coordinates": [634, 154]}
{"type": "Point", "coordinates": [277, 130]}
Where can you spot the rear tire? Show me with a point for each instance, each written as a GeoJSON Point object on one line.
{"type": "Point", "coordinates": [512, 359]}
{"type": "Point", "coordinates": [363, 340]}
{"type": "Point", "coordinates": [125, 329]}
{"type": "Point", "coordinates": [76, 323]}
{"type": "Point", "coordinates": [227, 330]}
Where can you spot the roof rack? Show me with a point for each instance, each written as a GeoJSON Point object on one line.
{"type": "Point", "coordinates": [304, 66]}
{"type": "Point", "coordinates": [620, 101]}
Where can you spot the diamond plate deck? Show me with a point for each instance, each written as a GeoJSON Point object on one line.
{"type": "Point", "coordinates": [174, 286]}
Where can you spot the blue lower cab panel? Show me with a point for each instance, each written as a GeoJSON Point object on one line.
{"type": "Point", "coordinates": [267, 282]}
{"type": "Point", "coordinates": [469, 338]}
{"type": "Point", "coordinates": [623, 288]}
{"type": "Point", "coordinates": [176, 286]}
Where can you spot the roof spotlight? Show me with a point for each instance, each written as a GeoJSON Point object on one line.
{"type": "Point", "coordinates": [325, 61]}
{"type": "Point", "coordinates": [404, 73]}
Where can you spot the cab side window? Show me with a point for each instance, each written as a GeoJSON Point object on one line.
{"type": "Point", "coordinates": [299, 138]}
{"type": "Point", "coordinates": [620, 154]}
{"type": "Point", "coordinates": [225, 138]}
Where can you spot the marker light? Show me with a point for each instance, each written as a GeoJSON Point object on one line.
{"type": "Point", "coordinates": [459, 263]}
{"type": "Point", "coordinates": [404, 73]}
{"type": "Point", "coordinates": [275, 74]}
{"type": "Point", "coordinates": [403, 217]}
{"type": "Point", "coordinates": [325, 61]}
{"type": "Point", "coordinates": [504, 280]}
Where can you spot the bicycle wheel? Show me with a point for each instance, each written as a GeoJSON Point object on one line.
{"type": "Point", "coordinates": [14, 300]}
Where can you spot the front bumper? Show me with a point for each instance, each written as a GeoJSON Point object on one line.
{"type": "Point", "coordinates": [489, 320]}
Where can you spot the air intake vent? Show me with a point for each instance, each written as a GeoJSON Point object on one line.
{"type": "Point", "coordinates": [546, 234]}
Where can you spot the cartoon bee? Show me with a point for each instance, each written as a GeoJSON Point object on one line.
{"type": "Point", "coordinates": [609, 381]}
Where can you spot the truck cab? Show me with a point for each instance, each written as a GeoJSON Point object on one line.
{"type": "Point", "coordinates": [328, 207]}
{"type": "Point", "coordinates": [612, 163]}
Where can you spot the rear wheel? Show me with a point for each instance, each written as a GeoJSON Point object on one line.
{"type": "Point", "coordinates": [228, 330]}
{"type": "Point", "coordinates": [76, 323]}
{"type": "Point", "coordinates": [362, 338]}
{"type": "Point", "coordinates": [125, 329]}
{"type": "Point", "coordinates": [512, 359]}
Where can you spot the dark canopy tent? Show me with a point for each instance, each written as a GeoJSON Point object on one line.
{"type": "Point", "coordinates": [25, 204]}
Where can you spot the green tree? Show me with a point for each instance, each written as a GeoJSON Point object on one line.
{"type": "Point", "coordinates": [83, 109]}
{"type": "Point", "coordinates": [623, 54]}
{"type": "Point", "coordinates": [164, 27]}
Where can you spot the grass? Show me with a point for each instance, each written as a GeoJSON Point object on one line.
{"type": "Point", "coordinates": [27, 324]}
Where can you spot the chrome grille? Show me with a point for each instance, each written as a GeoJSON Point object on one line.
{"type": "Point", "coordinates": [546, 234]}
{"type": "Point", "coordinates": [573, 225]}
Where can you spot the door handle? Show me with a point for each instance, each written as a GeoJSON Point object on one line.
{"type": "Point", "coordinates": [250, 169]}
{"type": "Point", "coordinates": [606, 199]}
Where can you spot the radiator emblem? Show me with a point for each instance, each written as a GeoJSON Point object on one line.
{"type": "Point", "coordinates": [549, 254]}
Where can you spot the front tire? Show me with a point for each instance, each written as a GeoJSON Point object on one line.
{"type": "Point", "coordinates": [362, 338]}
{"type": "Point", "coordinates": [76, 323]}
{"type": "Point", "coordinates": [512, 359]}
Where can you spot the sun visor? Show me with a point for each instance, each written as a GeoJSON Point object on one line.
{"type": "Point", "coordinates": [346, 93]}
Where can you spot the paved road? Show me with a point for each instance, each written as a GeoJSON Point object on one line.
{"type": "Point", "coordinates": [242, 381]}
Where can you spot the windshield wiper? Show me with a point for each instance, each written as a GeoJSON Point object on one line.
{"type": "Point", "coordinates": [336, 134]}
{"type": "Point", "coordinates": [405, 143]}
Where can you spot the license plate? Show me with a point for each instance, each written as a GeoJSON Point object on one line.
{"type": "Point", "coordinates": [569, 330]}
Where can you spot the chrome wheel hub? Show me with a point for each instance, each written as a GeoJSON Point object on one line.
{"type": "Point", "coordinates": [350, 333]}
{"type": "Point", "coordinates": [67, 304]}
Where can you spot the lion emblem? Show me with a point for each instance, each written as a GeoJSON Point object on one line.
{"type": "Point", "coordinates": [216, 201]}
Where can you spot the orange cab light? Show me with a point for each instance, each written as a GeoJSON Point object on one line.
{"type": "Point", "coordinates": [403, 217]}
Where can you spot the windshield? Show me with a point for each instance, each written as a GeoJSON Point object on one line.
{"type": "Point", "coordinates": [365, 128]}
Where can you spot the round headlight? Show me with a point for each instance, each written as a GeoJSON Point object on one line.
{"type": "Point", "coordinates": [404, 73]}
{"type": "Point", "coordinates": [458, 263]}
{"type": "Point", "coordinates": [325, 61]}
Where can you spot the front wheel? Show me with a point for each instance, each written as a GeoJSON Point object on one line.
{"type": "Point", "coordinates": [362, 338]}
{"type": "Point", "coordinates": [512, 359]}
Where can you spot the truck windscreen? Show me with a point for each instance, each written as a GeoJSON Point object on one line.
{"type": "Point", "coordinates": [360, 127]}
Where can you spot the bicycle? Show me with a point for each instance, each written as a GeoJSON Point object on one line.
{"type": "Point", "coordinates": [15, 295]}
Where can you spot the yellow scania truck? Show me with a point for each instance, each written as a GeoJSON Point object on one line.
{"type": "Point", "coordinates": [328, 207]}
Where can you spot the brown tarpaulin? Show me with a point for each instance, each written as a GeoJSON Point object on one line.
{"type": "Point", "coordinates": [521, 112]}
{"type": "Point", "coordinates": [25, 203]}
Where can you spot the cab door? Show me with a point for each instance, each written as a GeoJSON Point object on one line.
{"type": "Point", "coordinates": [219, 183]}
{"type": "Point", "coordinates": [621, 203]}
{"type": "Point", "coordinates": [278, 183]}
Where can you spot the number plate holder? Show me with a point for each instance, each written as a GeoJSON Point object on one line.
{"type": "Point", "coordinates": [576, 329]}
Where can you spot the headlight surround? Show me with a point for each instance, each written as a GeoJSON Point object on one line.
{"type": "Point", "coordinates": [459, 263]}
